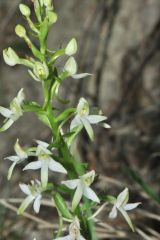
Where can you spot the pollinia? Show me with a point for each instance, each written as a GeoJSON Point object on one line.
{"type": "Point", "coordinates": [80, 212]}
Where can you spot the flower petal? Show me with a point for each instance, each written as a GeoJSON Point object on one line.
{"type": "Point", "coordinates": [122, 198]}
{"type": "Point", "coordinates": [75, 122]}
{"type": "Point", "coordinates": [77, 196]}
{"type": "Point", "coordinates": [41, 143]}
{"type": "Point", "coordinates": [33, 165]}
{"type": "Point", "coordinates": [25, 204]}
{"type": "Point", "coordinates": [71, 66]}
{"type": "Point", "coordinates": [56, 167]}
{"type": "Point", "coordinates": [81, 75]}
{"type": "Point", "coordinates": [6, 125]}
{"type": "Point", "coordinates": [113, 213]}
{"type": "Point", "coordinates": [88, 128]}
{"type": "Point", "coordinates": [90, 194]}
{"type": "Point", "coordinates": [72, 184]}
{"type": "Point", "coordinates": [20, 96]}
{"type": "Point", "coordinates": [10, 171]}
{"type": "Point", "coordinates": [131, 206]}
{"type": "Point", "coordinates": [33, 76]}
{"type": "Point", "coordinates": [37, 203]}
{"type": "Point", "coordinates": [94, 119]}
{"type": "Point", "coordinates": [25, 189]}
{"type": "Point", "coordinates": [127, 218]}
{"type": "Point", "coordinates": [44, 173]}
{"type": "Point", "coordinates": [13, 158]}
{"type": "Point", "coordinates": [5, 112]}
{"type": "Point", "coordinates": [71, 48]}
{"type": "Point", "coordinates": [105, 125]}
{"type": "Point", "coordinates": [19, 151]}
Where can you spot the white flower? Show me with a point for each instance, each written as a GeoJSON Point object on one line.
{"type": "Point", "coordinates": [40, 71]}
{"type": "Point", "coordinates": [82, 186]}
{"type": "Point", "coordinates": [20, 157]}
{"type": "Point", "coordinates": [71, 68]}
{"type": "Point", "coordinates": [45, 162]}
{"type": "Point", "coordinates": [14, 112]}
{"type": "Point", "coordinates": [71, 48]}
{"type": "Point", "coordinates": [83, 118]}
{"type": "Point", "coordinates": [33, 193]}
{"type": "Point", "coordinates": [74, 231]}
{"type": "Point", "coordinates": [10, 57]}
{"type": "Point", "coordinates": [122, 205]}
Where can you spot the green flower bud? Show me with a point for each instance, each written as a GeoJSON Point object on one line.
{"type": "Point", "coordinates": [25, 10]}
{"type": "Point", "coordinates": [52, 17]}
{"type": "Point", "coordinates": [20, 31]}
{"type": "Point", "coordinates": [41, 70]}
{"type": "Point", "coordinates": [71, 48]}
{"type": "Point", "coordinates": [71, 66]}
{"type": "Point", "coordinates": [10, 57]}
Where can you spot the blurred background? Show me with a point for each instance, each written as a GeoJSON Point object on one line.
{"type": "Point", "coordinates": [119, 43]}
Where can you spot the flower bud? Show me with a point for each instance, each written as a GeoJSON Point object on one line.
{"type": "Point", "coordinates": [10, 57]}
{"type": "Point", "coordinates": [71, 66]}
{"type": "Point", "coordinates": [71, 48]}
{"type": "Point", "coordinates": [25, 10]}
{"type": "Point", "coordinates": [20, 31]}
{"type": "Point", "coordinates": [52, 17]}
{"type": "Point", "coordinates": [47, 3]}
{"type": "Point", "coordinates": [41, 70]}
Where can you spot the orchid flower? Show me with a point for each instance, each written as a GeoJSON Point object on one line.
{"type": "Point", "coordinates": [10, 57]}
{"type": "Point", "coordinates": [14, 112]}
{"type": "Point", "coordinates": [83, 118]}
{"type": "Point", "coordinates": [45, 162]}
{"type": "Point", "coordinates": [33, 192]}
{"type": "Point", "coordinates": [82, 186]}
{"type": "Point", "coordinates": [121, 204]}
{"type": "Point", "coordinates": [71, 69]}
{"type": "Point", "coordinates": [20, 157]}
{"type": "Point", "coordinates": [40, 71]}
{"type": "Point", "coordinates": [74, 231]}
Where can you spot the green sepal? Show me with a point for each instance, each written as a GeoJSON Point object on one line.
{"type": "Point", "coordinates": [62, 206]}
